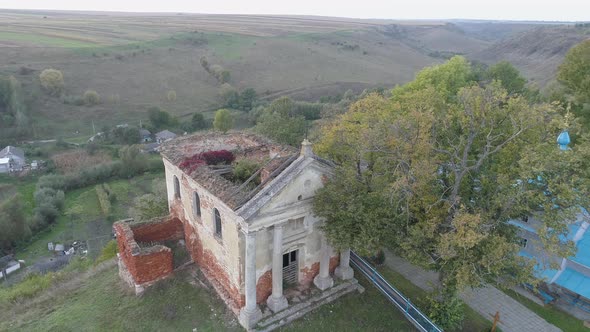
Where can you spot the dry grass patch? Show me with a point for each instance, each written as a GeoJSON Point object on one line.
{"type": "Point", "coordinates": [74, 161]}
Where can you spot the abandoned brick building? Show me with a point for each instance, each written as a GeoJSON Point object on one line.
{"type": "Point", "coordinates": [253, 239]}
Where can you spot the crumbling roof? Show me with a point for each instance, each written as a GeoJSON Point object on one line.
{"type": "Point", "coordinates": [274, 158]}
{"type": "Point", "coordinates": [144, 132]}
{"type": "Point", "coordinates": [12, 151]}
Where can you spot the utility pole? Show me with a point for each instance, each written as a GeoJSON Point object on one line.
{"type": "Point", "coordinates": [93, 129]}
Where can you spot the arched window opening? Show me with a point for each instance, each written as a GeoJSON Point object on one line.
{"type": "Point", "coordinates": [197, 205]}
{"type": "Point", "coordinates": [217, 217]}
{"type": "Point", "coordinates": [176, 187]}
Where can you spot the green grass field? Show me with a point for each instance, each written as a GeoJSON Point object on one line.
{"type": "Point", "coordinates": [42, 40]}
{"type": "Point", "coordinates": [551, 314]}
{"type": "Point", "coordinates": [103, 304]}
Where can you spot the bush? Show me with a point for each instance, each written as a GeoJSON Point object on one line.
{"type": "Point", "coordinates": [91, 98]}
{"type": "Point", "coordinates": [446, 310]}
{"type": "Point", "coordinates": [223, 121]}
{"type": "Point", "coordinates": [103, 199]}
{"type": "Point", "coordinates": [244, 169]}
{"type": "Point", "coordinates": [52, 81]}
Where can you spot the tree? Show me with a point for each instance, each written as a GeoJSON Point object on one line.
{"type": "Point", "coordinates": [52, 81]}
{"type": "Point", "coordinates": [13, 223]}
{"type": "Point", "coordinates": [509, 76]}
{"type": "Point", "coordinates": [223, 120]}
{"type": "Point", "coordinates": [198, 121]}
{"type": "Point", "coordinates": [171, 96]}
{"type": "Point", "coordinates": [229, 96]}
{"type": "Point", "coordinates": [280, 122]}
{"type": "Point", "coordinates": [436, 175]}
{"type": "Point", "coordinates": [91, 97]}
{"type": "Point", "coordinates": [158, 118]}
{"type": "Point", "coordinates": [574, 72]}
{"type": "Point", "coordinates": [247, 99]}
{"type": "Point", "coordinates": [124, 135]}
{"type": "Point", "coordinates": [133, 160]}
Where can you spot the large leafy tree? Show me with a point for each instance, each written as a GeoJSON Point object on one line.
{"type": "Point", "coordinates": [508, 75]}
{"type": "Point", "coordinates": [13, 223]}
{"type": "Point", "coordinates": [574, 74]}
{"type": "Point", "coordinates": [436, 171]}
{"type": "Point", "coordinates": [281, 122]}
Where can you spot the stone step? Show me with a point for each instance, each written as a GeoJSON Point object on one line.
{"type": "Point", "coordinates": [300, 309]}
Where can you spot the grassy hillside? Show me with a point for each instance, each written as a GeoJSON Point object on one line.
{"type": "Point", "coordinates": [537, 52]}
{"type": "Point", "coordinates": [98, 301]}
{"type": "Point", "coordinates": [133, 60]}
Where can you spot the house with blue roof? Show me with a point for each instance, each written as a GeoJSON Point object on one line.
{"type": "Point", "coordinates": [566, 277]}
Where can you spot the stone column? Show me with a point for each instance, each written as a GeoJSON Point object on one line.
{"type": "Point", "coordinates": [277, 301]}
{"type": "Point", "coordinates": [344, 271]}
{"type": "Point", "coordinates": [250, 313]}
{"type": "Point", "coordinates": [323, 280]}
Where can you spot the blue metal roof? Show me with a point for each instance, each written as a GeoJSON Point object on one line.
{"type": "Point", "coordinates": [582, 255]}
{"type": "Point", "coordinates": [540, 272]}
{"type": "Point", "coordinates": [575, 282]}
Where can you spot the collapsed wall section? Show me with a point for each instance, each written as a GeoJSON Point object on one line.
{"type": "Point", "coordinates": [149, 262]}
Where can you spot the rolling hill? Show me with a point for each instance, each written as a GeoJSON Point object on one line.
{"type": "Point", "coordinates": [133, 60]}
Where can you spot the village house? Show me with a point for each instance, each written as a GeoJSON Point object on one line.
{"type": "Point", "coordinates": [165, 136]}
{"type": "Point", "coordinates": [257, 241]}
{"type": "Point", "coordinates": [11, 159]}
{"type": "Point", "coordinates": [145, 135]}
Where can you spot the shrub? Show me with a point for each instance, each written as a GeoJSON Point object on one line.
{"type": "Point", "coordinates": [103, 199]}
{"type": "Point", "coordinates": [91, 98]}
{"type": "Point", "coordinates": [446, 310]}
{"type": "Point", "coordinates": [244, 169]}
{"type": "Point", "coordinates": [223, 120]}
{"type": "Point", "coordinates": [52, 81]}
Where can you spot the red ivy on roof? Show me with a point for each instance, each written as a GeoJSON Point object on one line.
{"type": "Point", "coordinates": [207, 158]}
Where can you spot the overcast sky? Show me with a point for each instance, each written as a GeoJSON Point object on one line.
{"type": "Point", "coordinates": [548, 10]}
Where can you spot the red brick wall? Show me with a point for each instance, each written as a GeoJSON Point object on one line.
{"type": "Point", "coordinates": [310, 272]}
{"type": "Point", "coordinates": [164, 230]}
{"type": "Point", "coordinates": [264, 287]}
{"type": "Point", "coordinates": [146, 264]}
{"type": "Point", "coordinates": [154, 265]}
{"type": "Point", "coordinates": [209, 264]}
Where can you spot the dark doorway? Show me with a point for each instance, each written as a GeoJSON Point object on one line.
{"type": "Point", "coordinates": [290, 267]}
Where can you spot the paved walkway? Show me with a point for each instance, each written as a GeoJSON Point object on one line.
{"type": "Point", "coordinates": [486, 301]}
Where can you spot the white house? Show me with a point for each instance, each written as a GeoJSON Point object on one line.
{"type": "Point", "coordinates": [11, 159]}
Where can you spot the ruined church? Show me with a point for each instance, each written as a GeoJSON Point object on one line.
{"type": "Point", "coordinates": [257, 240]}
